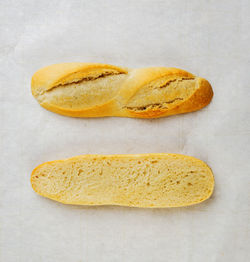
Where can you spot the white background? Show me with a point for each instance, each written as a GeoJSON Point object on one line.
{"type": "Point", "coordinates": [208, 38]}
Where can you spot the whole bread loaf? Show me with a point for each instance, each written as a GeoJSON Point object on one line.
{"type": "Point", "coordinates": [97, 90]}
{"type": "Point", "coordinates": [142, 180]}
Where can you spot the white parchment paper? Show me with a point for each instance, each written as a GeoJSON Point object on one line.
{"type": "Point", "coordinates": [208, 38]}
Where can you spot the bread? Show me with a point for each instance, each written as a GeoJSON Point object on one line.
{"type": "Point", "coordinates": [143, 180]}
{"type": "Point", "coordinates": [97, 90]}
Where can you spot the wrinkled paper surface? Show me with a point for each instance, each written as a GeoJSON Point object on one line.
{"type": "Point", "coordinates": [207, 38]}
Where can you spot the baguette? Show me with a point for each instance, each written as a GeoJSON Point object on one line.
{"type": "Point", "coordinates": [97, 90]}
{"type": "Point", "coordinates": [142, 180]}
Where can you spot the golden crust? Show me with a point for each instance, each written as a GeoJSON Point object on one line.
{"type": "Point", "coordinates": [140, 77]}
{"type": "Point", "coordinates": [202, 97]}
{"type": "Point", "coordinates": [53, 75]}
{"type": "Point", "coordinates": [60, 75]}
{"type": "Point", "coordinates": [106, 109]}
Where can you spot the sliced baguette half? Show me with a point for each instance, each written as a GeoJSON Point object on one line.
{"type": "Point", "coordinates": [140, 180]}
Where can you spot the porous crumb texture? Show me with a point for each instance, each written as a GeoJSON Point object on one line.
{"type": "Point", "coordinates": [145, 180]}
{"type": "Point", "coordinates": [94, 90]}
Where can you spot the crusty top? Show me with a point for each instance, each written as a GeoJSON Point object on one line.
{"type": "Point", "coordinates": [95, 90]}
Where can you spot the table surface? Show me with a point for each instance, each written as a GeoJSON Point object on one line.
{"type": "Point", "coordinates": [208, 38]}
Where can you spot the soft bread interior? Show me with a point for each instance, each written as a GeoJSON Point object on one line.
{"type": "Point", "coordinates": [164, 93]}
{"type": "Point", "coordinates": [165, 180]}
{"type": "Point", "coordinates": [97, 88]}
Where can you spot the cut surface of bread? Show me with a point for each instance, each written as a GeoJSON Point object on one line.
{"type": "Point", "coordinates": [95, 90]}
{"type": "Point", "coordinates": [141, 180]}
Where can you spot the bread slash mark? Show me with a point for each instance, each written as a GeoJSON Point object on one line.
{"type": "Point", "coordinates": [152, 106]}
{"type": "Point", "coordinates": [175, 80]}
{"type": "Point", "coordinates": [89, 78]}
